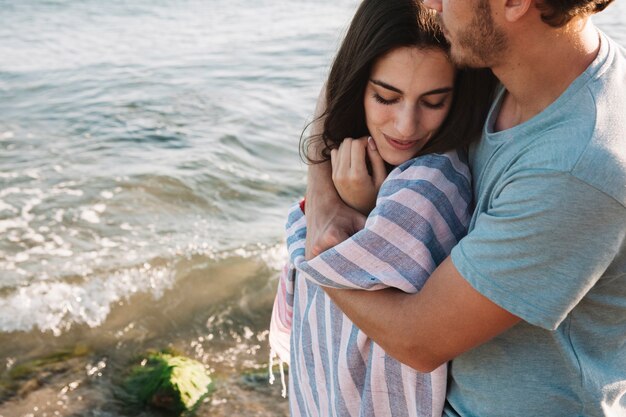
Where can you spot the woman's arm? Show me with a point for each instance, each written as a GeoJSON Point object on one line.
{"type": "Point", "coordinates": [422, 211]}
{"type": "Point", "coordinates": [329, 220]}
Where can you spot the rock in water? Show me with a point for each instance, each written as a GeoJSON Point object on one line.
{"type": "Point", "coordinates": [175, 383]}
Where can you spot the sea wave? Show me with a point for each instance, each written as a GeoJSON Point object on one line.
{"type": "Point", "coordinates": [58, 305]}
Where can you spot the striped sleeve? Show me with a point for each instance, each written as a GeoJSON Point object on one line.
{"type": "Point", "coordinates": [422, 211]}
{"type": "Point", "coordinates": [296, 234]}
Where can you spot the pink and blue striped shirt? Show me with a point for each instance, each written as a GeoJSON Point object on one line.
{"type": "Point", "coordinates": [422, 210]}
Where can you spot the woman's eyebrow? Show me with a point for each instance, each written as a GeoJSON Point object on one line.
{"type": "Point", "coordinates": [437, 91]}
{"type": "Point", "coordinates": [397, 90]}
{"type": "Point", "coordinates": [387, 86]}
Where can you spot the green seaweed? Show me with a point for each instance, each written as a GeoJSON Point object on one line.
{"type": "Point", "coordinates": [27, 376]}
{"type": "Point", "coordinates": [170, 382]}
{"type": "Point", "coordinates": [30, 367]}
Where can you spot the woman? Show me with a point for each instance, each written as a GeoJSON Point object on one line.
{"type": "Point", "coordinates": [392, 80]}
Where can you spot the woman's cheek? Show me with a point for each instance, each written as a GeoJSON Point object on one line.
{"type": "Point", "coordinates": [368, 107]}
{"type": "Point", "coordinates": [437, 118]}
{"type": "Point", "coordinates": [375, 114]}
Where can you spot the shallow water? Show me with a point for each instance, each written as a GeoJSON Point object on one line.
{"type": "Point", "coordinates": [148, 154]}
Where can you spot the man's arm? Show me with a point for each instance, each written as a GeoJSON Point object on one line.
{"type": "Point", "coordinates": [329, 220]}
{"type": "Point", "coordinates": [424, 330]}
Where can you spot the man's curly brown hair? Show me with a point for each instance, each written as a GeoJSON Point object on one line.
{"type": "Point", "coordinates": [557, 13]}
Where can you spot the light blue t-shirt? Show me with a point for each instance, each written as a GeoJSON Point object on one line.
{"type": "Point", "coordinates": [547, 242]}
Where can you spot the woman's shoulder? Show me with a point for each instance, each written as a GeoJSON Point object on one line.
{"type": "Point", "coordinates": [436, 185]}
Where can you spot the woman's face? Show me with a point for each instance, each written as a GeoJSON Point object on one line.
{"type": "Point", "coordinates": [407, 98]}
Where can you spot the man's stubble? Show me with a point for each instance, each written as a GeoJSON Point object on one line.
{"type": "Point", "coordinates": [479, 44]}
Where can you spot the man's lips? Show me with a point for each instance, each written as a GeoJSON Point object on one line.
{"type": "Point", "coordinates": [402, 145]}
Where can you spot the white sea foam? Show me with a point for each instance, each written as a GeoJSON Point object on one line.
{"type": "Point", "coordinates": [126, 226]}
{"type": "Point", "coordinates": [107, 243]}
{"type": "Point", "coordinates": [275, 256]}
{"type": "Point", "coordinates": [56, 306]}
{"type": "Point", "coordinates": [7, 135]}
{"type": "Point", "coordinates": [90, 216]}
{"type": "Point", "coordinates": [33, 236]}
{"type": "Point", "coordinates": [12, 224]}
{"type": "Point", "coordinates": [21, 257]}
{"type": "Point", "coordinates": [100, 208]}
{"type": "Point", "coordinates": [4, 206]}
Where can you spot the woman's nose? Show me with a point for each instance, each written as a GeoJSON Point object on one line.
{"type": "Point", "coordinates": [407, 121]}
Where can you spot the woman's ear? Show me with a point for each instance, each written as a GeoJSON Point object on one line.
{"type": "Point", "coordinates": [514, 10]}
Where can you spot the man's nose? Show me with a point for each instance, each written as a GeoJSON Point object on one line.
{"type": "Point", "coordinates": [433, 4]}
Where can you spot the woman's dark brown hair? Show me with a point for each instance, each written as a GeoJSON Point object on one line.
{"type": "Point", "coordinates": [378, 27]}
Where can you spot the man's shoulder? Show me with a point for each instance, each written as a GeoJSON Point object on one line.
{"type": "Point", "coordinates": [593, 152]}
{"type": "Point", "coordinates": [586, 136]}
{"type": "Point", "coordinates": [602, 159]}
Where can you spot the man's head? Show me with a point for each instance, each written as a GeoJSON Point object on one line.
{"type": "Point", "coordinates": [557, 13]}
{"type": "Point", "coordinates": [482, 31]}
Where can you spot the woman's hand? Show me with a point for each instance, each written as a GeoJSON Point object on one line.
{"type": "Point", "coordinates": [356, 187]}
{"type": "Point", "coordinates": [329, 221]}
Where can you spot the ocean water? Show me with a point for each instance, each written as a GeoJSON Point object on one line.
{"type": "Point", "coordinates": [137, 134]}
{"type": "Point", "coordinates": [148, 154]}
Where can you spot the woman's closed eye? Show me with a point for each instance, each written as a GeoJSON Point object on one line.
{"type": "Point", "coordinates": [434, 105]}
{"type": "Point", "coordinates": [429, 104]}
{"type": "Point", "coordinates": [382, 100]}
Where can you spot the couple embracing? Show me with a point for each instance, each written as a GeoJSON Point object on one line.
{"type": "Point", "coordinates": [463, 250]}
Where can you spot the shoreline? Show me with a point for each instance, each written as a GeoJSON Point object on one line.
{"type": "Point", "coordinates": [220, 322]}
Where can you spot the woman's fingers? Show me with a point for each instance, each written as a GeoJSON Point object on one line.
{"type": "Point", "coordinates": [357, 157]}
{"type": "Point", "coordinates": [333, 162]}
{"type": "Point", "coordinates": [350, 165]}
{"type": "Point", "coordinates": [344, 155]}
{"type": "Point", "coordinates": [340, 161]}
{"type": "Point", "coordinates": [379, 170]}
{"type": "Point", "coordinates": [353, 183]}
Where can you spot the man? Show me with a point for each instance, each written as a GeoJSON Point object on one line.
{"type": "Point", "coordinates": [531, 305]}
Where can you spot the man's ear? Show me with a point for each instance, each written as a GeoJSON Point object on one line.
{"type": "Point", "coordinates": [514, 10]}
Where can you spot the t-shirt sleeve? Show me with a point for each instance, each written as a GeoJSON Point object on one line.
{"type": "Point", "coordinates": [422, 211]}
{"type": "Point", "coordinates": [544, 241]}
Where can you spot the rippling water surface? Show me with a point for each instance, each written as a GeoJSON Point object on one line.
{"type": "Point", "coordinates": [135, 134]}
{"type": "Point", "coordinates": [148, 153]}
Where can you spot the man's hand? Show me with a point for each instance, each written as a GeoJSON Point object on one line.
{"type": "Point", "coordinates": [354, 184]}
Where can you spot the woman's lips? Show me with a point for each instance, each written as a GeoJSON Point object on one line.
{"type": "Point", "coordinates": [401, 145]}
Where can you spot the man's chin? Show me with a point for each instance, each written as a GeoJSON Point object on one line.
{"type": "Point", "coordinates": [458, 59]}
{"type": "Point", "coordinates": [461, 60]}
